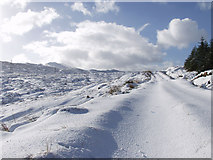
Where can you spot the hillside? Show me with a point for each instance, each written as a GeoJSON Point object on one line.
{"type": "Point", "coordinates": [48, 113]}
{"type": "Point", "coordinates": [29, 82]}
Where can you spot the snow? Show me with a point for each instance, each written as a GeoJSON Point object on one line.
{"type": "Point", "coordinates": [179, 72]}
{"type": "Point", "coordinates": [21, 82]}
{"type": "Point", "coordinates": [202, 79]}
{"type": "Point", "coordinates": [105, 114]}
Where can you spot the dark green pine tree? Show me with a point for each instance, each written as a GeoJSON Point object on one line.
{"type": "Point", "coordinates": [201, 57]}
{"type": "Point", "coordinates": [211, 54]}
{"type": "Point", "coordinates": [190, 63]}
{"type": "Point", "coordinates": [206, 57]}
{"type": "Point", "coordinates": [209, 57]}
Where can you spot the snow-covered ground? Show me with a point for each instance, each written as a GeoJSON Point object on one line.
{"type": "Point", "coordinates": [27, 82]}
{"type": "Point", "coordinates": [104, 114]}
{"type": "Point", "coordinates": [203, 79]}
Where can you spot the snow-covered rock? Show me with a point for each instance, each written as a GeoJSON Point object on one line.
{"type": "Point", "coordinates": [179, 72]}
{"type": "Point", "coordinates": [203, 79]}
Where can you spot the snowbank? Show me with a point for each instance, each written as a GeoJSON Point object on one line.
{"type": "Point", "coordinates": [179, 72]}
{"type": "Point", "coordinates": [203, 79]}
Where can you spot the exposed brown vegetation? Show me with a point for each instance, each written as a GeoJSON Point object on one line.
{"type": "Point", "coordinates": [4, 127]}
{"type": "Point", "coordinates": [114, 89]}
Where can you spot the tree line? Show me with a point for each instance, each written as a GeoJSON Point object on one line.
{"type": "Point", "coordinates": [201, 57]}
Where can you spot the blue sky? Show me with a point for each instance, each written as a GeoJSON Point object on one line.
{"type": "Point", "coordinates": [103, 35]}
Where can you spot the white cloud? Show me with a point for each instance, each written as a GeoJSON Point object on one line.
{"type": "Point", "coordinates": [5, 37]}
{"type": "Point", "coordinates": [98, 45]}
{"type": "Point", "coordinates": [23, 22]}
{"type": "Point", "coordinates": [78, 6]}
{"type": "Point", "coordinates": [21, 4]}
{"type": "Point", "coordinates": [106, 6]}
{"type": "Point", "coordinates": [20, 58]}
{"type": "Point", "coordinates": [204, 5]}
{"type": "Point", "coordinates": [180, 33]}
{"type": "Point", "coordinates": [142, 28]}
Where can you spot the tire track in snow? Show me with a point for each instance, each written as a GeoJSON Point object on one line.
{"type": "Point", "coordinates": [163, 129]}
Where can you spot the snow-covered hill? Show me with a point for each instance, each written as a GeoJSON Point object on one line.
{"type": "Point", "coordinates": [49, 113]}
{"type": "Point", "coordinates": [66, 69]}
{"type": "Point", "coordinates": [21, 82]}
{"type": "Point", "coordinates": [57, 65]}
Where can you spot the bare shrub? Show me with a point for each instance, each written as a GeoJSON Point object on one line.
{"type": "Point", "coordinates": [114, 89]}
{"type": "Point", "coordinates": [131, 86]}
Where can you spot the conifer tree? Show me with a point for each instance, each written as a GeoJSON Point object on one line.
{"type": "Point", "coordinates": [190, 63]}
{"type": "Point", "coordinates": [201, 57]}
{"type": "Point", "coordinates": [210, 56]}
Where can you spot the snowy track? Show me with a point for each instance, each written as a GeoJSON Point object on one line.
{"type": "Point", "coordinates": [163, 118]}
{"type": "Point", "coordinates": [170, 118]}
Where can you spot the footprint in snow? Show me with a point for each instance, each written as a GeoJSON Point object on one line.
{"type": "Point", "coordinates": [64, 145]}
{"type": "Point", "coordinates": [75, 110]}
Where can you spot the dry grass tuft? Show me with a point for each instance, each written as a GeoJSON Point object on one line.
{"type": "Point", "coordinates": [4, 127]}
{"type": "Point", "coordinates": [114, 89]}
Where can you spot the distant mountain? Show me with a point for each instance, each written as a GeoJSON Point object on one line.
{"type": "Point", "coordinates": [66, 69]}
{"type": "Point", "coordinates": [28, 68]}
{"type": "Point", "coordinates": [57, 65]}
{"type": "Point", "coordinates": [49, 68]}
{"type": "Point", "coordinates": [105, 71]}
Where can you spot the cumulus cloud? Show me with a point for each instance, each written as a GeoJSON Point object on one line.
{"type": "Point", "coordinates": [78, 6]}
{"type": "Point", "coordinates": [20, 58]}
{"type": "Point", "coordinates": [180, 33]}
{"type": "Point", "coordinates": [23, 22]}
{"type": "Point", "coordinates": [97, 45]}
{"type": "Point", "coordinates": [21, 4]}
{"type": "Point", "coordinates": [106, 6]}
{"type": "Point", "coordinates": [5, 37]}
